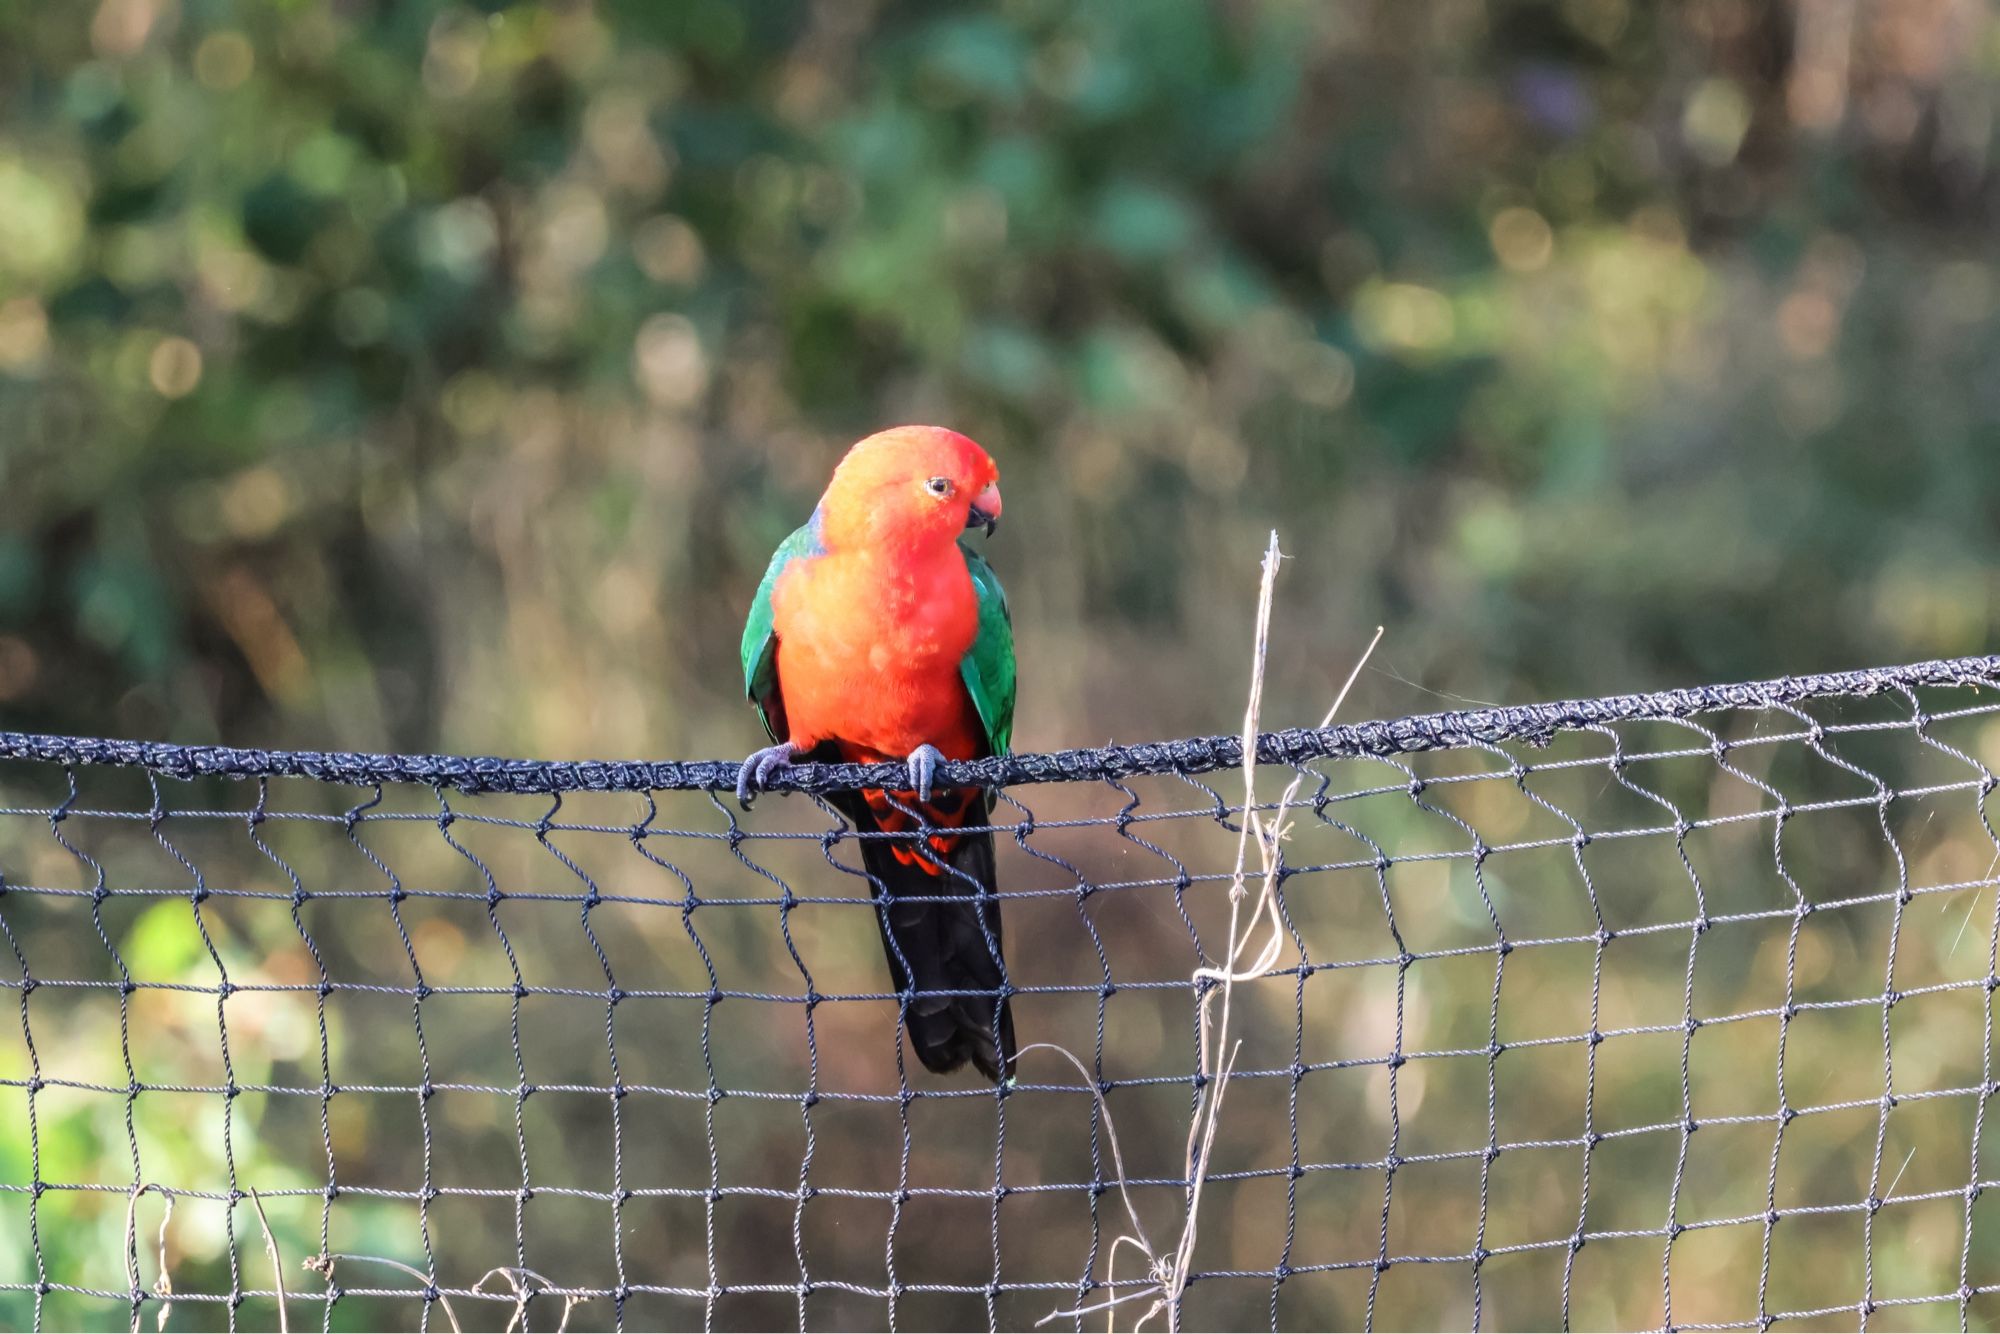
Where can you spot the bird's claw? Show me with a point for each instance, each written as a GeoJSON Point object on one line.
{"type": "Point", "coordinates": [758, 771]}
{"type": "Point", "coordinates": [923, 763]}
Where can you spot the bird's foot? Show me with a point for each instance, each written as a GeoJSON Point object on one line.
{"type": "Point", "coordinates": [923, 763]}
{"type": "Point", "coordinates": [761, 768]}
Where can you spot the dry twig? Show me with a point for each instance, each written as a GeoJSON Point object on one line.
{"type": "Point", "coordinates": [1137, 1237]}
{"type": "Point", "coordinates": [522, 1292]}
{"type": "Point", "coordinates": [277, 1265]}
{"type": "Point", "coordinates": [323, 1266]}
{"type": "Point", "coordinates": [1168, 1273]}
{"type": "Point", "coordinates": [163, 1284]}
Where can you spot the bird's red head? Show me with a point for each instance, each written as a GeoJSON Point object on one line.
{"type": "Point", "coordinates": [909, 487]}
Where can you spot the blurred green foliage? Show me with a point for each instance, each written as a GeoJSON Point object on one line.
{"type": "Point", "coordinates": [416, 375]}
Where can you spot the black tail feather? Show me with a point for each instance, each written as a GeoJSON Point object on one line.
{"type": "Point", "coordinates": [944, 946]}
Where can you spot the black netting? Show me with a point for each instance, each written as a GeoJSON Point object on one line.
{"type": "Point", "coordinates": [1656, 1010]}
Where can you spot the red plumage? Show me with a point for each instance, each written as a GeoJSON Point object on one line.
{"type": "Point", "coordinates": [872, 632]}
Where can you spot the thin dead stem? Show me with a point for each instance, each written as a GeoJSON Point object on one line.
{"type": "Point", "coordinates": [323, 1266]}
{"type": "Point", "coordinates": [1207, 1119]}
{"type": "Point", "coordinates": [514, 1274]}
{"type": "Point", "coordinates": [1110, 1130]}
{"type": "Point", "coordinates": [1136, 1238]}
{"type": "Point", "coordinates": [1169, 1273]}
{"type": "Point", "coordinates": [163, 1284]}
{"type": "Point", "coordinates": [277, 1265]}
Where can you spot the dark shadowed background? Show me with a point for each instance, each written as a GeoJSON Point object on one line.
{"type": "Point", "coordinates": [440, 377]}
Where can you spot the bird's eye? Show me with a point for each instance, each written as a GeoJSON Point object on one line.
{"type": "Point", "coordinates": [939, 486]}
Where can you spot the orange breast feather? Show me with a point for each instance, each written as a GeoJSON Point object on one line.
{"type": "Point", "coordinates": [869, 653]}
{"type": "Point", "coordinates": [868, 658]}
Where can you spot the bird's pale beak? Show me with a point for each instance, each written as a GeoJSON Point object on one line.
{"type": "Point", "coordinates": [985, 512]}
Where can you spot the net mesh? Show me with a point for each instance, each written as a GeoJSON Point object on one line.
{"type": "Point", "coordinates": [1667, 1010]}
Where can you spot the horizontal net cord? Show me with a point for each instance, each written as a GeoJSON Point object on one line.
{"type": "Point", "coordinates": [736, 833]}
{"type": "Point", "coordinates": [621, 995]}
{"type": "Point", "coordinates": [1532, 723]}
{"type": "Point", "coordinates": [1092, 889]}
{"type": "Point", "coordinates": [1313, 802]}
{"type": "Point", "coordinates": [551, 1295]}
{"type": "Point", "coordinates": [1782, 1116]}
{"type": "Point", "coordinates": [1974, 1190]}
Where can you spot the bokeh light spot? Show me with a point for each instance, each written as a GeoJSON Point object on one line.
{"type": "Point", "coordinates": [668, 361]}
{"type": "Point", "coordinates": [24, 334]}
{"type": "Point", "coordinates": [121, 27]}
{"type": "Point", "coordinates": [1405, 317]}
{"type": "Point", "coordinates": [256, 502]}
{"type": "Point", "coordinates": [1716, 119]}
{"type": "Point", "coordinates": [1522, 239]}
{"type": "Point", "coordinates": [174, 369]}
{"type": "Point", "coordinates": [224, 60]}
{"type": "Point", "coordinates": [668, 250]}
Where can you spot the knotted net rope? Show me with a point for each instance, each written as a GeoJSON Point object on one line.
{"type": "Point", "coordinates": [1670, 1009]}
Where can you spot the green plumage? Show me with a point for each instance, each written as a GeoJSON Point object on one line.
{"type": "Point", "coordinates": [760, 636]}
{"type": "Point", "coordinates": [987, 669]}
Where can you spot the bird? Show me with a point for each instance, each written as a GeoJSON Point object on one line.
{"type": "Point", "coordinates": [879, 635]}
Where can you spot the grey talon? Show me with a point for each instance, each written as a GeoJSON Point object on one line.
{"type": "Point", "coordinates": [923, 763]}
{"type": "Point", "coordinates": [760, 769]}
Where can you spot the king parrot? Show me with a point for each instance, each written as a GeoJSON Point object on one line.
{"type": "Point", "coordinates": [877, 635]}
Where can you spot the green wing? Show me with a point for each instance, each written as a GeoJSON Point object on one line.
{"type": "Point", "coordinates": [988, 668]}
{"type": "Point", "coordinates": [760, 637]}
